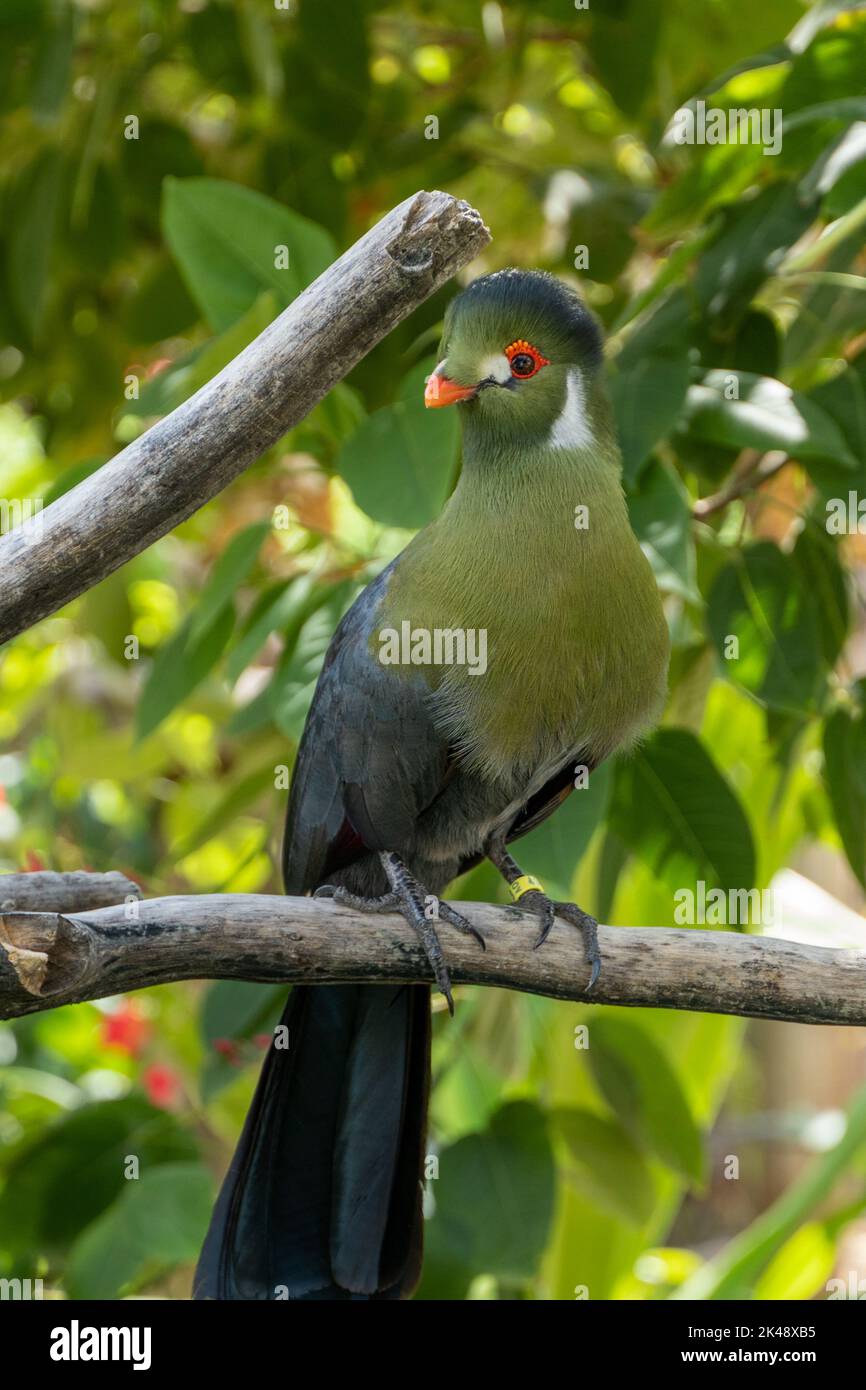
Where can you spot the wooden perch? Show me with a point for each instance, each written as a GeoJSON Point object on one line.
{"type": "Point", "coordinates": [46, 891]}
{"type": "Point", "coordinates": [51, 958]}
{"type": "Point", "coordinates": [193, 453]}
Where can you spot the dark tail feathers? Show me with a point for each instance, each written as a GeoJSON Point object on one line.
{"type": "Point", "coordinates": [323, 1196]}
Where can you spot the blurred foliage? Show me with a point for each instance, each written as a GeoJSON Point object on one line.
{"type": "Point", "coordinates": [174, 172]}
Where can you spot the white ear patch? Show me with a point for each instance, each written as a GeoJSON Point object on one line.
{"type": "Point", "coordinates": [570, 430]}
{"type": "Point", "coordinates": [497, 366]}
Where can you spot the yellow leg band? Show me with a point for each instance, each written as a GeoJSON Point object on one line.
{"type": "Point", "coordinates": [525, 884]}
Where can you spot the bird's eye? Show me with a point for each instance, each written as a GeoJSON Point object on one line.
{"type": "Point", "coordinates": [525, 359]}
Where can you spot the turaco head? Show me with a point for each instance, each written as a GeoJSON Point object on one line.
{"type": "Point", "coordinates": [522, 355]}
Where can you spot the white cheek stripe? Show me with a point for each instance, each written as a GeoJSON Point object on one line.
{"type": "Point", "coordinates": [498, 367]}
{"type": "Point", "coordinates": [571, 428]}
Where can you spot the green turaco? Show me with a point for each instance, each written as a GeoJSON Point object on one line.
{"type": "Point", "coordinates": [517, 640]}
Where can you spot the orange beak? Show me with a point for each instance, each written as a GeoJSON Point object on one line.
{"type": "Point", "coordinates": [441, 391]}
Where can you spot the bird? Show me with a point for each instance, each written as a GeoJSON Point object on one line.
{"type": "Point", "coordinates": [410, 771]}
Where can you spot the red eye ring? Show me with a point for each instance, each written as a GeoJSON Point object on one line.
{"type": "Point", "coordinates": [525, 359]}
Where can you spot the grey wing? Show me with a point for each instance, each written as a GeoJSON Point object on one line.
{"type": "Point", "coordinates": [370, 759]}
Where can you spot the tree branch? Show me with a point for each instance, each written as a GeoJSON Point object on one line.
{"type": "Point", "coordinates": [758, 469]}
{"type": "Point", "coordinates": [193, 453]}
{"type": "Point", "coordinates": [46, 891]}
{"type": "Point", "coordinates": [49, 958]}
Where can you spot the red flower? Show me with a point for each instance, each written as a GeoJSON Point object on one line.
{"type": "Point", "coordinates": [126, 1028]}
{"type": "Point", "coordinates": [228, 1048]}
{"type": "Point", "coordinates": [162, 1085]}
{"type": "Point", "coordinates": [32, 863]}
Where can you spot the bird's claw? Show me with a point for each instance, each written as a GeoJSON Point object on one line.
{"type": "Point", "coordinates": [450, 914]}
{"type": "Point", "coordinates": [344, 898]}
{"type": "Point", "coordinates": [542, 906]}
{"type": "Point", "coordinates": [409, 898]}
{"type": "Point", "coordinates": [588, 926]}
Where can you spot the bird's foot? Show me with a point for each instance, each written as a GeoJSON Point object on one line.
{"type": "Point", "coordinates": [419, 908]}
{"type": "Point", "coordinates": [588, 926]}
{"type": "Point", "coordinates": [530, 894]}
{"type": "Point", "coordinates": [534, 899]}
{"type": "Point", "coordinates": [338, 894]}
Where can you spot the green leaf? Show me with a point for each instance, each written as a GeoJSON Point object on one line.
{"type": "Point", "coordinates": [286, 612]}
{"type": "Point", "coordinates": [743, 410]}
{"type": "Point", "coordinates": [717, 174]}
{"type": "Point", "coordinates": [612, 859]}
{"type": "Point", "coordinates": [179, 666]}
{"type": "Point", "coordinates": [661, 517]}
{"type": "Point", "coordinates": [171, 387]}
{"type": "Point", "coordinates": [229, 572]}
{"type": "Point", "coordinates": [622, 41]}
{"type": "Point", "coordinates": [53, 63]}
{"type": "Point", "coordinates": [253, 716]}
{"type": "Point", "coordinates": [184, 661]}
{"type": "Point", "coordinates": [844, 761]}
{"type": "Point", "coordinates": [224, 238]}
{"type": "Point", "coordinates": [295, 680]}
{"type": "Point", "coordinates": [71, 477]}
{"type": "Point", "coordinates": [235, 1011]}
{"type": "Point", "coordinates": [755, 235]}
{"type": "Point", "coordinates": [808, 37]}
{"type": "Point", "coordinates": [227, 809]}
{"type": "Point", "coordinates": [281, 600]}
{"type": "Point", "coordinates": [329, 74]}
{"type": "Point", "coordinates": [843, 398]}
{"type": "Point", "coordinates": [731, 1274]}
{"type": "Point", "coordinates": [760, 599]}
{"type": "Point", "coordinates": [848, 192]}
{"type": "Point", "coordinates": [494, 1195]}
{"type": "Point", "coordinates": [658, 327]}
{"type": "Point", "coordinates": [32, 229]}
{"type": "Point", "coordinates": [843, 109]}
{"type": "Point", "coordinates": [639, 1083]}
{"type": "Point", "coordinates": [238, 1009]}
{"type": "Point", "coordinates": [334, 419]}
{"type": "Point", "coordinates": [610, 1167]}
{"type": "Point", "coordinates": [217, 353]}
{"type": "Point", "coordinates": [674, 809]}
{"type": "Point", "coordinates": [159, 1221]}
{"type": "Point", "coordinates": [73, 1169]}
{"type": "Point", "coordinates": [647, 399]}
{"type": "Point", "coordinates": [400, 461]}
{"type": "Point", "coordinates": [846, 153]}
{"type": "Point", "coordinates": [757, 346]}
{"type": "Point", "coordinates": [160, 307]}
{"type": "Point", "coordinates": [816, 556]}
{"type": "Point", "coordinates": [554, 850]}
{"type": "Point", "coordinates": [801, 1268]}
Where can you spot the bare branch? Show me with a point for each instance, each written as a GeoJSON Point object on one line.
{"type": "Point", "coordinates": [761, 468]}
{"type": "Point", "coordinates": [48, 959]}
{"type": "Point", "coordinates": [46, 891]}
{"type": "Point", "coordinates": [192, 454]}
